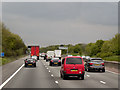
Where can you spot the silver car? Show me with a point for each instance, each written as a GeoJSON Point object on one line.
{"type": "Point", "coordinates": [95, 64]}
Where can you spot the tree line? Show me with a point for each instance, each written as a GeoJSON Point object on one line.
{"type": "Point", "coordinates": [12, 44]}
{"type": "Point", "coordinates": [100, 48]}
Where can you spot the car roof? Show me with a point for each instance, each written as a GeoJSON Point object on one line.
{"type": "Point", "coordinates": [55, 58]}
{"type": "Point", "coordinates": [73, 57]}
{"type": "Point", "coordinates": [30, 58]}
{"type": "Point", "coordinates": [95, 58]}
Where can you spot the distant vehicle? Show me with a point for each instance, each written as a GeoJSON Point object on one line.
{"type": "Point", "coordinates": [83, 56]}
{"type": "Point", "coordinates": [30, 62]}
{"type": "Point", "coordinates": [72, 66]}
{"type": "Point", "coordinates": [69, 55]}
{"type": "Point", "coordinates": [34, 57]}
{"type": "Point", "coordinates": [95, 64]}
{"type": "Point", "coordinates": [55, 61]}
{"type": "Point", "coordinates": [57, 53]}
{"type": "Point", "coordinates": [50, 55]}
{"type": "Point", "coordinates": [35, 51]}
{"type": "Point", "coordinates": [42, 54]}
{"type": "Point", "coordinates": [87, 57]}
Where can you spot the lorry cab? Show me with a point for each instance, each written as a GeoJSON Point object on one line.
{"type": "Point", "coordinates": [72, 66]}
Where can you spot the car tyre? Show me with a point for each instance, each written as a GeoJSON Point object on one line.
{"type": "Point", "coordinates": [88, 70]}
{"type": "Point", "coordinates": [82, 77]}
{"type": "Point", "coordinates": [103, 70]}
{"type": "Point", "coordinates": [64, 77]}
{"type": "Point", "coordinates": [34, 65]}
{"type": "Point", "coordinates": [25, 65]}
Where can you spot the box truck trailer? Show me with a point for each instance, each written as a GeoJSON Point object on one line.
{"type": "Point", "coordinates": [35, 51]}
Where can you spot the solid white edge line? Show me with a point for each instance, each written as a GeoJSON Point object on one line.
{"type": "Point", "coordinates": [111, 72]}
{"type": "Point", "coordinates": [56, 82]}
{"type": "Point", "coordinates": [3, 84]}
{"type": "Point", "coordinates": [103, 82]}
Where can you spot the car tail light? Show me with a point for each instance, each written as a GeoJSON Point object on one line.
{"type": "Point", "coordinates": [102, 64]}
{"type": "Point", "coordinates": [25, 61]}
{"type": "Point", "coordinates": [33, 61]}
{"type": "Point", "coordinates": [51, 60]}
{"type": "Point", "coordinates": [91, 63]}
{"type": "Point", "coordinates": [59, 61]}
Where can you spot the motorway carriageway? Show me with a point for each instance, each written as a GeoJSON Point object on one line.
{"type": "Point", "coordinates": [45, 76]}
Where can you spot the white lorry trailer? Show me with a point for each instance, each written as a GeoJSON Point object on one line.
{"type": "Point", "coordinates": [57, 53]}
{"type": "Point", "coordinates": [50, 54]}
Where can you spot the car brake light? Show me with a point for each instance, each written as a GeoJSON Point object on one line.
{"type": "Point", "coordinates": [51, 60]}
{"type": "Point", "coordinates": [91, 63]}
{"type": "Point", "coordinates": [26, 61]}
{"type": "Point", "coordinates": [33, 61]}
{"type": "Point", "coordinates": [59, 61]}
{"type": "Point", "coordinates": [102, 64]}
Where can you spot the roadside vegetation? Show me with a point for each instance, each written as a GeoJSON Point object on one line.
{"type": "Point", "coordinates": [107, 50]}
{"type": "Point", "coordinates": [12, 46]}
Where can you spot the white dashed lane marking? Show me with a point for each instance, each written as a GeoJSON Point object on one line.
{"type": "Point", "coordinates": [49, 70]}
{"type": "Point", "coordinates": [102, 82]}
{"type": "Point", "coordinates": [52, 75]}
{"type": "Point", "coordinates": [56, 82]}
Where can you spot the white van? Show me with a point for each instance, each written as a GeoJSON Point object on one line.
{"type": "Point", "coordinates": [50, 54]}
{"type": "Point", "coordinates": [57, 53]}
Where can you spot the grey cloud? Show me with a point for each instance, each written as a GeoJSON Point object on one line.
{"type": "Point", "coordinates": [105, 13]}
{"type": "Point", "coordinates": [55, 23]}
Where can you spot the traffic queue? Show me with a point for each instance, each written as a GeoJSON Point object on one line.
{"type": "Point", "coordinates": [70, 65]}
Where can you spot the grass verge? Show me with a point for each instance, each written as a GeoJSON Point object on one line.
{"type": "Point", "coordinates": [6, 60]}
{"type": "Point", "coordinates": [112, 58]}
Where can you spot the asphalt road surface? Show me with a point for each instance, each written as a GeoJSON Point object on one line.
{"type": "Point", "coordinates": [45, 76]}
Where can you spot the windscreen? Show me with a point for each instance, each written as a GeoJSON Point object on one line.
{"type": "Point", "coordinates": [74, 61]}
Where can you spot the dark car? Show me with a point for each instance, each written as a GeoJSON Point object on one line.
{"type": "Point", "coordinates": [55, 61]}
{"type": "Point", "coordinates": [72, 66]}
{"type": "Point", "coordinates": [95, 64]}
{"type": "Point", "coordinates": [30, 62]}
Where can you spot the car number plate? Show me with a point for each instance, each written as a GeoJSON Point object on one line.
{"type": "Point", "coordinates": [55, 63]}
{"type": "Point", "coordinates": [29, 64]}
{"type": "Point", "coordinates": [97, 64]}
{"type": "Point", "coordinates": [74, 70]}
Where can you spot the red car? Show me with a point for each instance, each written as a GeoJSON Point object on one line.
{"type": "Point", "coordinates": [72, 66]}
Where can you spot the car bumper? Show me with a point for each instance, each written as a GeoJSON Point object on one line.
{"type": "Point", "coordinates": [56, 64]}
{"type": "Point", "coordinates": [30, 63]}
{"type": "Point", "coordinates": [96, 68]}
{"type": "Point", "coordinates": [74, 74]}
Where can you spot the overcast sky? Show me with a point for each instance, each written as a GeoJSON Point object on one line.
{"type": "Point", "coordinates": [49, 23]}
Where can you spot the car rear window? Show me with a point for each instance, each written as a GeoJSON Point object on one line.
{"type": "Point", "coordinates": [96, 60]}
{"type": "Point", "coordinates": [55, 59]}
{"type": "Point", "coordinates": [73, 61]}
{"type": "Point", "coordinates": [30, 59]}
